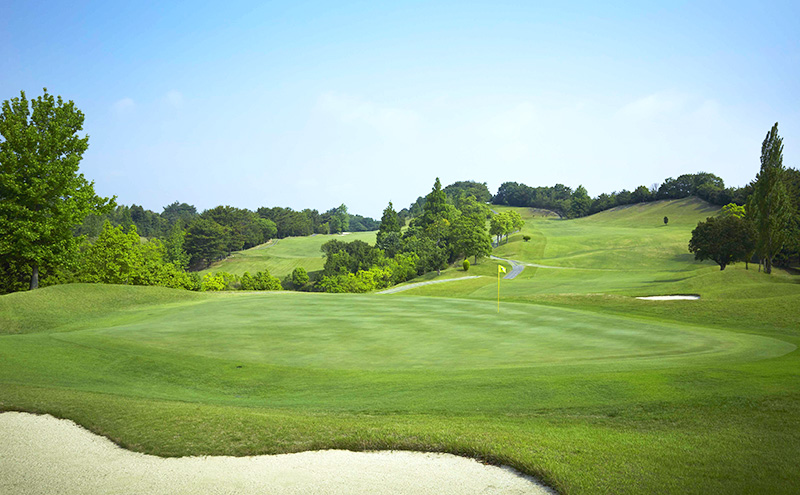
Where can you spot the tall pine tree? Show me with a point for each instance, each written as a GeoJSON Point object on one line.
{"type": "Point", "coordinates": [769, 204]}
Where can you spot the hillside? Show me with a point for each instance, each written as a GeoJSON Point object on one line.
{"type": "Point", "coordinates": [282, 256]}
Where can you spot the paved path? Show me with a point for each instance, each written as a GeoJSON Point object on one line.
{"type": "Point", "coordinates": [420, 284]}
{"type": "Point", "coordinates": [516, 267]}
{"type": "Point", "coordinates": [537, 265]}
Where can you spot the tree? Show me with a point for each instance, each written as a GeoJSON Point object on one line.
{"type": "Point", "coordinates": [205, 242]}
{"type": "Point", "coordinates": [769, 204]}
{"type": "Point", "coordinates": [733, 210]}
{"type": "Point", "coordinates": [499, 225]}
{"type": "Point", "coordinates": [299, 277]}
{"type": "Point", "coordinates": [42, 195]}
{"type": "Point", "coordinates": [388, 237]}
{"type": "Point", "coordinates": [580, 203]}
{"type": "Point", "coordinates": [722, 239]}
{"type": "Point", "coordinates": [470, 237]}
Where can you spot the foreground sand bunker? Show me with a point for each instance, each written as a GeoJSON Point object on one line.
{"type": "Point", "coordinates": [42, 454]}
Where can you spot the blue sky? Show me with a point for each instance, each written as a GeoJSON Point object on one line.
{"type": "Point", "coordinates": [313, 104]}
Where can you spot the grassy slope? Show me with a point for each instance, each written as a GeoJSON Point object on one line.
{"type": "Point", "coordinates": [592, 390]}
{"type": "Point", "coordinates": [282, 256]}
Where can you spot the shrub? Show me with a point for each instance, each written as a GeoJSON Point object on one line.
{"type": "Point", "coordinates": [299, 277]}
{"type": "Point", "coordinates": [465, 264]}
{"type": "Point", "coordinates": [526, 238]}
{"type": "Point", "coordinates": [212, 282]}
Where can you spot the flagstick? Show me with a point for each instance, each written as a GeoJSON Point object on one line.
{"type": "Point", "coordinates": [498, 289]}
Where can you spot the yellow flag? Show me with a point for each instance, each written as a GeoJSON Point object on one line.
{"type": "Point", "coordinates": [501, 268]}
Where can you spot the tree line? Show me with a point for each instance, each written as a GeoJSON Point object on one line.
{"type": "Point", "coordinates": [54, 227]}
{"type": "Point", "coordinates": [569, 203]}
{"type": "Point", "coordinates": [766, 227]}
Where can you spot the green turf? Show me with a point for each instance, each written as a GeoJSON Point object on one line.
{"type": "Point", "coordinates": [575, 381]}
{"type": "Point", "coordinates": [282, 256]}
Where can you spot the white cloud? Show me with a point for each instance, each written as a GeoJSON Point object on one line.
{"type": "Point", "coordinates": [654, 105]}
{"type": "Point", "coordinates": [124, 106]}
{"type": "Point", "coordinates": [396, 122]}
{"type": "Point", "coordinates": [175, 98]}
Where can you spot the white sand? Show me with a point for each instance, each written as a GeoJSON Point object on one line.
{"type": "Point", "coordinates": [42, 454]}
{"type": "Point", "coordinates": [669, 298]}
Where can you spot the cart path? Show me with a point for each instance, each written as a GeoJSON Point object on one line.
{"type": "Point", "coordinates": [420, 284]}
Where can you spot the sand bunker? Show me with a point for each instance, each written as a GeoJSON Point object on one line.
{"type": "Point", "coordinates": [670, 298]}
{"type": "Point", "coordinates": [42, 454]}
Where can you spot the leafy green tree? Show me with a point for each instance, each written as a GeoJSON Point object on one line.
{"type": "Point", "coordinates": [733, 210]}
{"type": "Point", "coordinates": [641, 195]}
{"type": "Point", "coordinates": [499, 225]}
{"type": "Point", "coordinates": [264, 281]}
{"type": "Point", "coordinates": [580, 203]}
{"type": "Point", "coordinates": [769, 205]}
{"type": "Point", "coordinates": [246, 282]}
{"type": "Point", "coordinates": [213, 283]}
{"type": "Point", "coordinates": [175, 253]}
{"type": "Point", "coordinates": [516, 221]}
{"type": "Point", "coordinates": [470, 237]}
{"type": "Point", "coordinates": [465, 188]}
{"type": "Point", "coordinates": [299, 277]}
{"type": "Point", "coordinates": [179, 212]}
{"type": "Point", "coordinates": [114, 257]}
{"type": "Point", "coordinates": [722, 239]}
{"type": "Point", "coordinates": [389, 221]}
{"type": "Point", "coordinates": [42, 194]}
{"type": "Point", "coordinates": [435, 207]}
{"type": "Point", "coordinates": [206, 242]}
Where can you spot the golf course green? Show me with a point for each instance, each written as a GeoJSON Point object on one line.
{"type": "Point", "coordinates": [574, 381]}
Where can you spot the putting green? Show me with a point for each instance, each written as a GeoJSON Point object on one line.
{"type": "Point", "coordinates": [341, 332]}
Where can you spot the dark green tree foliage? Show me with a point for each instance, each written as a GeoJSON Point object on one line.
{"type": "Point", "coordinates": [206, 242]}
{"type": "Point", "coordinates": [469, 235]}
{"type": "Point", "coordinates": [389, 238]}
{"type": "Point", "coordinates": [43, 197]}
{"type": "Point", "coordinates": [178, 212]}
{"type": "Point", "coordinates": [148, 223]}
{"type": "Point", "coordinates": [791, 247]}
{"type": "Point", "coordinates": [349, 257]}
{"type": "Point", "coordinates": [299, 277]}
{"type": "Point", "coordinates": [244, 229]}
{"type": "Point", "coordinates": [338, 219]}
{"type": "Point", "coordinates": [435, 207]}
{"type": "Point", "coordinates": [641, 195]}
{"type": "Point", "coordinates": [389, 221]}
{"type": "Point", "coordinates": [288, 222]}
{"type": "Point", "coordinates": [465, 188]}
{"type": "Point", "coordinates": [769, 206]}
{"type": "Point", "coordinates": [559, 198]}
{"type": "Point", "coordinates": [724, 240]}
{"type": "Point", "coordinates": [580, 203]}
{"type": "Point", "coordinates": [363, 224]}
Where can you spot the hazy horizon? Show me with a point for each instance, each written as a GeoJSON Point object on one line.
{"type": "Point", "coordinates": [312, 105]}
